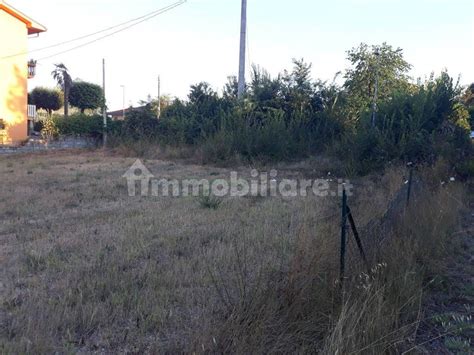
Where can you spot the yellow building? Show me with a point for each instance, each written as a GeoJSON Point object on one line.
{"type": "Point", "coordinates": [15, 27]}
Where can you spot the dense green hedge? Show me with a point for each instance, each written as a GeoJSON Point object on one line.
{"type": "Point", "coordinates": [80, 125]}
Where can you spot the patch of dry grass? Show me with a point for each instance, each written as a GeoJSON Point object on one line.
{"type": "Point", "coordinates": [86, 268]}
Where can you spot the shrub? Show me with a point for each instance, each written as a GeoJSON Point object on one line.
{"type": "Point", "coordinates": [38, 126]}
{"type": "Point", "coordinates": [209, 201]}
{"type": "Point", "coordinates": [460, 117]}
{"type": "Point", "coordinates": [140, 124]}
{"type": "Point", "coordinates": [50, 129]}
{"type": "Point", "coordinates": [471, 117]}
{"type": "Point", "coordinates": [252, 136]}
{"type": "Point", "coordinates": [417, 125]}
{"type": "Point", "coordinates": [219, 147]}
{"type": "Point", "coordinates": [363, 152]}
{"type": "Point", "coordinates": [80, 124]}
{"type": "Point", "coordinates": [465, 169]}
{"type": "Point", "coordinates": [291, 116]}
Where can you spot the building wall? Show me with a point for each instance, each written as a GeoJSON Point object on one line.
{"type": "Point", "coordinates": [13, 79]}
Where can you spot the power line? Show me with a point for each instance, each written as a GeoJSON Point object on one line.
{"type": "Point", "coordinates": [169, 8]}
{"type": "Point", "coordinates": [134, 22]}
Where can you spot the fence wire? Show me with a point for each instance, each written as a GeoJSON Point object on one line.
{"type": "Point", "coordinates": [372, 236]}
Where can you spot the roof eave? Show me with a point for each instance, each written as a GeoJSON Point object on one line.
{"type": "Point", "coordinates": [33, 26]}
{"type": "Point", "coordinates": [36, 28]}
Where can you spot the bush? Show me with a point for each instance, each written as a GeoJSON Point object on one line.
{"type": "Point", "coordinates": [471, 117]}
{"type": "Point", "coordinates": [80, 125]}
{"type": "Point", "coordinates": [50, 129]}
{"type": "Point", "coordinates": [292, 117]}
{"type": "Point", "coordinates": [209, 201]}
{"type": "Point", "coordinates": [218, 148]}
{"type": "Point", "coordinates": [252, 136]}
{"type": "Point", "coordinates": [418, 126]}
{"type": "Point", "coordinates": [38, 126]}
{"type": "Point", "coordinates": [465, 169]}
{"type": "Point", "coordinates": [363, 152]}
{"type": "Point", "coordinates": [140, 124]}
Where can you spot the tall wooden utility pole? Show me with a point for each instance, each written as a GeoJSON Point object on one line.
{"type": "Point", "coordinates": [158, 113]}
{"type": "Point", "coordinates": [243, 44]}
{"type": "Point", "coordinates": [104, 108]}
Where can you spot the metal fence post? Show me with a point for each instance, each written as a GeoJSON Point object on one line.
{"type": "Point", "coordinates": [357, 238]}
{"type": "Point", "coordinates": [410, 181]}
{"type": "Point", "coordinates": [343, 235]}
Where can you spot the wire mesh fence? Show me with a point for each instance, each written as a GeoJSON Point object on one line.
{"type": "Point", "coordinates": [359, 245]}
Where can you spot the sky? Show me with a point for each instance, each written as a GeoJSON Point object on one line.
{"type": "Point", "coordinates": [199, 40]}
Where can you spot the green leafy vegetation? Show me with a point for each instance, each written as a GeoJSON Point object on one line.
{"type": "Point", "coordinates": [381, 66]}
{"type": "Point", "coordinates": [209, 201]}
{"type": "Point", "coordinates": [63, 79]}
{"type": "Point", "coordinates": [49, 130]}
{"type": "Point", "coordinates": [89, 269]}
{"type": "Point", "coordinates": [86, 96]}
{"type": "Point", "coordinates": [80, 124]}
{"type": "Point", "coordinates": [293, 116]}
{"type": "Point", "coordinates": [47, 99]}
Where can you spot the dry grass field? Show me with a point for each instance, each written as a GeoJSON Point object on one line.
{"type": "Point", "coordinates": [86, 268]}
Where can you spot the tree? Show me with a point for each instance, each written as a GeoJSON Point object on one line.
{"type": "Point", "coordinates": [298, 88]}
{"type": "Point", "coordinates": [460, 117]}
{"type": "Point", "coordinates": [368, 63]}
{"type": "Point", "coordinates": [46, 99]}
{"type": "Point", "coordinates": [468, 97]}
{"type": "Point", "coordinates": [165, 101]}
{"type": "Point", "coordinates": [265, 92]}
{"type": "Point", "coordinates": [84, 95]}
{"type": "Point", "coordinates": [468, 100]}
{"type": "Point", "coordinates": [62, 77]}
{"type": "Point", "coordinates": [200, 93]}
{"type": "Point", "coordinates": [141, 123]}
{"type": "Point", "coordinates": [205, 105]}
{"type": "Point", "coordinates": [231, 88]}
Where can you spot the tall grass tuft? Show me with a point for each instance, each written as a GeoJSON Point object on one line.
{"type": "Point", "coordinates": [302, 307]}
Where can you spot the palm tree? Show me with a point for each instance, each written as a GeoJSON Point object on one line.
{"type": "Point", "coordinates": [62, 77]}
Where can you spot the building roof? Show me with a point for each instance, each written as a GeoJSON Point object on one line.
{"type": "Point", "coordinates": [33, 26]}
{"type": "Point", "coordinates": [119, 113]}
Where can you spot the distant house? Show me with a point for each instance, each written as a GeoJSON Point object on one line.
{"type": "Point", "coordinates": [119, 114]}
{"type": "Point", "coordinates": [15, 70]}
